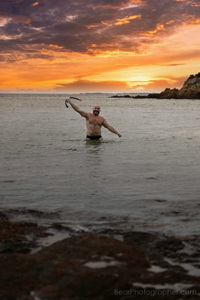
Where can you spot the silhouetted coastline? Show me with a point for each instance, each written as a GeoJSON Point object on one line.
{"type": "Point", "coordinates": [190, 90]}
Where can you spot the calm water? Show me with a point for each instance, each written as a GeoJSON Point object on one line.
{"type": "Point", "coordinates": [148, 179]}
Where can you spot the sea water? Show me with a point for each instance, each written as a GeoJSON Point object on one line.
{"type": "Point", "coordinates": [149, 179]}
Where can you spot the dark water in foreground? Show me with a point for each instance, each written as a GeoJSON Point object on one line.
{"type": "Point", "coordinates": [147, 180]}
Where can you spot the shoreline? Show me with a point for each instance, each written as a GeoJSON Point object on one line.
{"type": "Point", "coordinates": [56, 262]}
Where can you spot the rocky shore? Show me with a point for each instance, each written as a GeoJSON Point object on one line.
{"type": "Point", "coordinates": [190, 90]}
{"type": "Point", "coordinates": [108, 264]}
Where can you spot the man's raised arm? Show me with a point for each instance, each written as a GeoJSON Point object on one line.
{"type": "Point", "coordinates": [76, 108]}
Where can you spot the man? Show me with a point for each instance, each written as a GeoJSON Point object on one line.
{"type": "Point", "coordinates": [94, 122]}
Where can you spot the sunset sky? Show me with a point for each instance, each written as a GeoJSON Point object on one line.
{"type": "Point", "coordinates": [98, 45]}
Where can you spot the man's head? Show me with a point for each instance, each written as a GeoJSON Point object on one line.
{"type": "Point", "coordinates": [96, 110]}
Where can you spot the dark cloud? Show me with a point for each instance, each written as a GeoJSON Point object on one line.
{"type": "Point", "coordinates": [89, 26]}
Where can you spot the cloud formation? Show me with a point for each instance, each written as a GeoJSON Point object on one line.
{"type": "Point", "coordinates": [90, 26]}
{"type": "Point", "coordinates": [102, 45]}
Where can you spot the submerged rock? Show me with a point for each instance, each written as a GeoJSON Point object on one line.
{"type": "Point", "coordinates": [88, 266]}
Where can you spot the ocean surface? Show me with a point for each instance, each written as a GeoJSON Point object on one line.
{"type": "Point", "coordinates": [149, 179]}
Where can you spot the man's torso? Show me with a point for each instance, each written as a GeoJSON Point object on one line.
{"type": "Point", "coordinates": [94, 124]}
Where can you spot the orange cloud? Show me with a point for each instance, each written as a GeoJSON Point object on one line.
{"type": "Point", "coordinates": [150, 33]}
{"type": "Point", "coordinates": [96, 25]}
{"type": "Point", "coordinates": [35, 4]}
{"type": "Point", "coordinates": [3, 21]}
{"type": "Point", "coordinates": [126, 20]}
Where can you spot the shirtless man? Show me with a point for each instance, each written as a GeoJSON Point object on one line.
{"type": "Point", "coordinates": [94, 122]}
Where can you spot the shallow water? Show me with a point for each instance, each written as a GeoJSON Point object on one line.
{"type": "Point", "coordinates": [148, 179]}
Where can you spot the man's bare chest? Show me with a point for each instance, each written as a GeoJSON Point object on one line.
{"type": "Point", "coordinates": [96, 121]}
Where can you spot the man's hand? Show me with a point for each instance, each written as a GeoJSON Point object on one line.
{"type": "Point", "coordinates": [119, 135]}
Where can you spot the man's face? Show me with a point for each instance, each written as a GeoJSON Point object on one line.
{"type": "Point", "coordinates": [96, 110]}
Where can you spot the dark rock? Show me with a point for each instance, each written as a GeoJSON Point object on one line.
{"type": "Point", "coordinates": [86, 266]}
{"type": "Point", "coordinates": [120, 96]}
{"type": "Point", "coordinates": [169, 246]}
{"type": "Point", "coordinates": [3, 216]}
{"type": "Point", "coordinates": [19, 237]}
{"type": "Point", "coordinates": [90, 266]}
{"type": "Point", "coordinates": [190, 90]}
{"type": "Point", "coordinates": [168, 94]}
{"type": "Point", "coordinates": [153, 95]}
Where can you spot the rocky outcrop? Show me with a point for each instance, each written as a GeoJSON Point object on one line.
{"type": "Point", "coordinates": [168, 94]}
{"type": "Point", "coordinates": [190, 90]}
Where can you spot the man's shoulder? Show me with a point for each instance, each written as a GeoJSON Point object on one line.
{"type": "Point", "coordinates": [102, 118]}
{"type": "Point", "coordinates": [89, 115]}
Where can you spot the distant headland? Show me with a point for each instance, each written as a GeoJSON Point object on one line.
{"type": "Point", "coordinates": [189, 90]}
